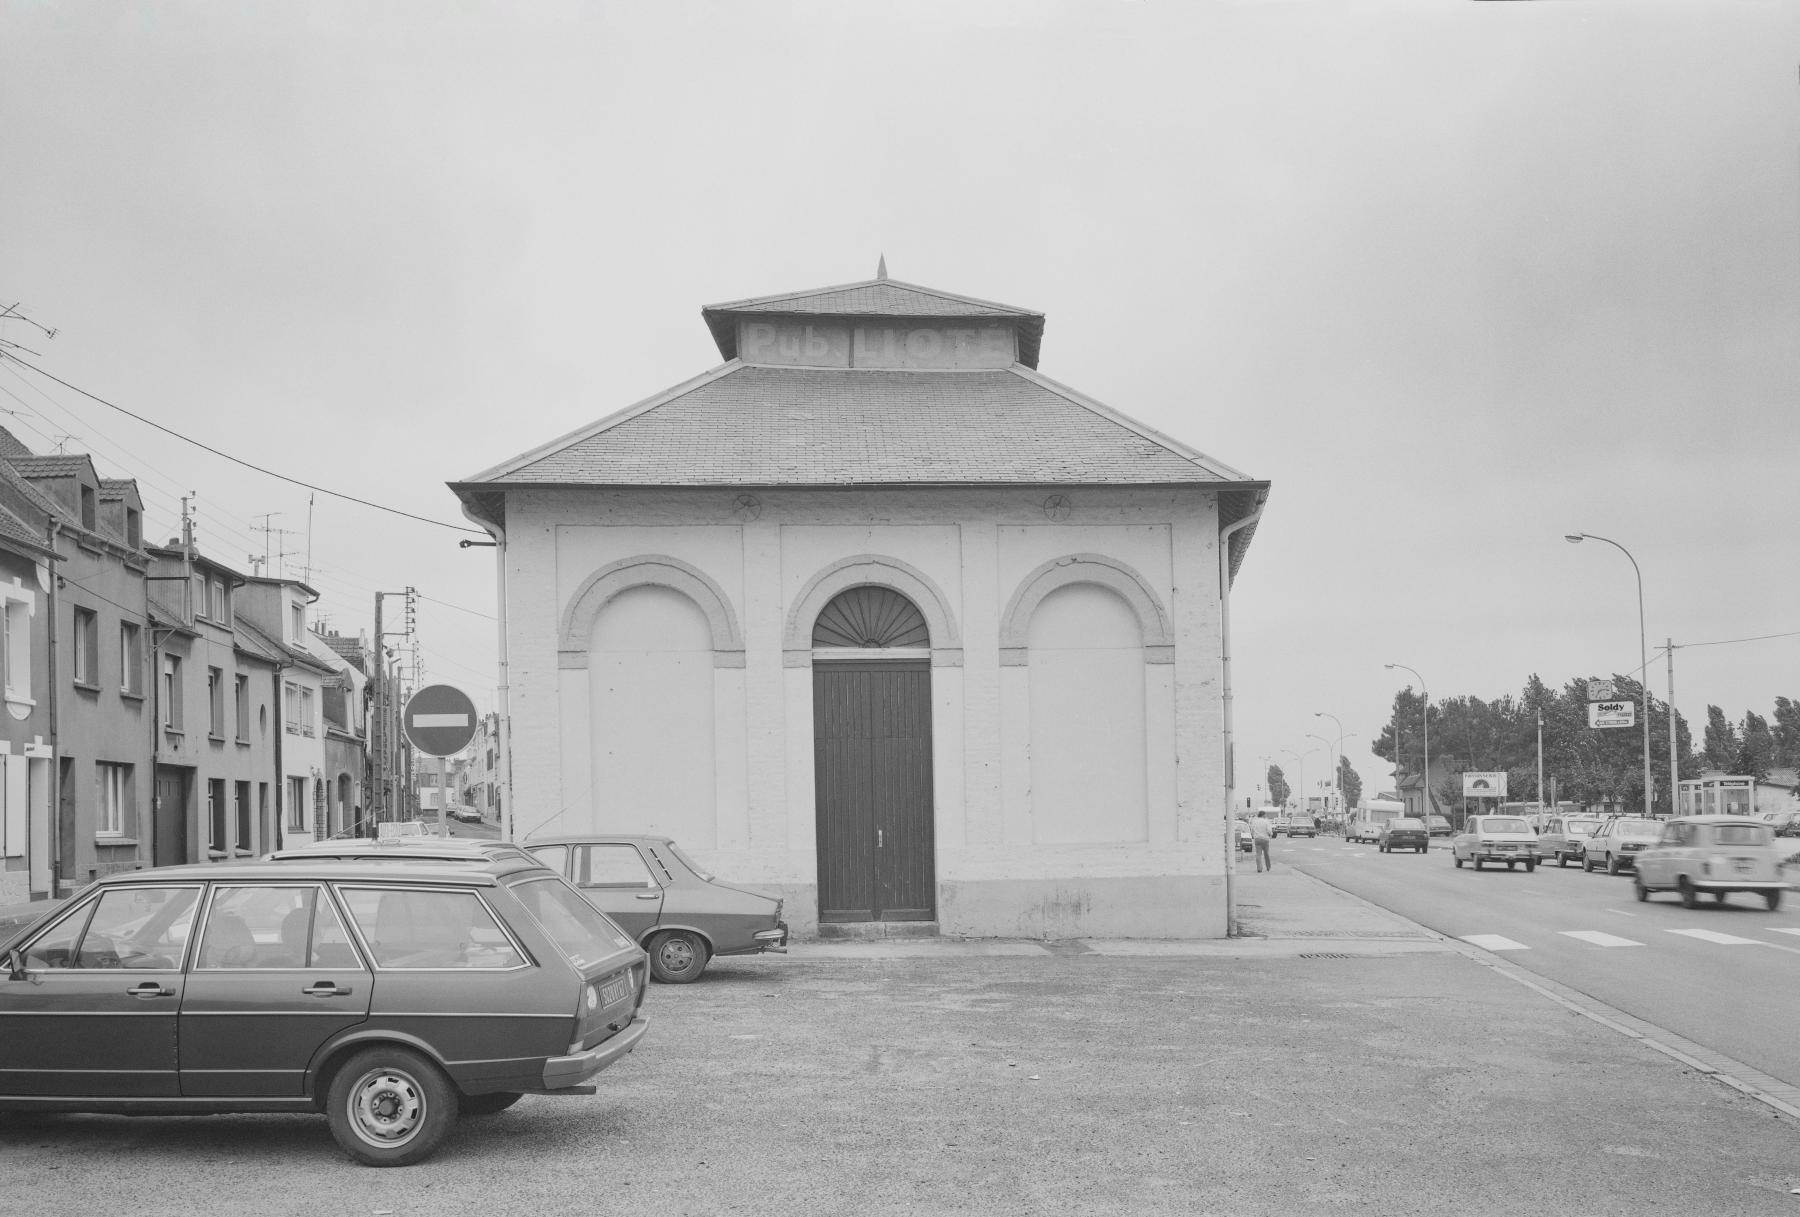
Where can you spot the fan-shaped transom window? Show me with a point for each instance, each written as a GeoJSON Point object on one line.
{"type": "Point", "coordinates": [868, 617]}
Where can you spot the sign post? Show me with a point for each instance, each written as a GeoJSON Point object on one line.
{"type": "Point", "coordinates": [440, 720]}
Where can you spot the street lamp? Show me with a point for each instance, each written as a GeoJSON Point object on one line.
{"type": "Point", "coordinates": [1337, 766]}
{"type": "Point", "coordinates": [1425, 802]}
{"type": "Point", "coordinates": [1300, 773]}
{"type": "Point", "coordinates": [1576, 538]}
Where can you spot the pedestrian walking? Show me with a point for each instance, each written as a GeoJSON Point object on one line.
{"type": "Point", "coordinates": [1260, 836]}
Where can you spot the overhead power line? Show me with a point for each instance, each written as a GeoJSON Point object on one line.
{"type": "Point", "coordinates": [348, 498]}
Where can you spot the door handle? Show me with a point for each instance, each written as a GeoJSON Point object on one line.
{"type": "Point", "coordinates": [150, 988]}
{"type": "Point", "coordinates": [649, 895]}
{"type": "Point", "coordinates": [326, 988]}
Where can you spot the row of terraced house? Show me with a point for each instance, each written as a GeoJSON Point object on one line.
{"type": "Point", "coordinates": [161, 705]}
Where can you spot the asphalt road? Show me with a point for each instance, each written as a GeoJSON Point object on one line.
{"type": "Point", "coordinates": [1734, 986]}
{"type": "Point", "coordinates": [1067, 1082]}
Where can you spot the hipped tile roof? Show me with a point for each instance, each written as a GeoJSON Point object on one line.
{"type": "Point", "coordinates": [842, 427]}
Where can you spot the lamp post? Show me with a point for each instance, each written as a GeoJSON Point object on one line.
{"type": "Point", "coordinates": [1327, 744]}
{"type": "Point", "coordinates": [1337, 765]}
{"type": "Point", "coordinates": [1300, 773]}
{"type": "Point", "coordinates": [1576, 538]}
{"type": "Point", "coordinates": [1425, 803]}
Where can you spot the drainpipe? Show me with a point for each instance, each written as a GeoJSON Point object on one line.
{"type": "Point", "coordinates": [503, 701]}
{"type": "Point", "coordinates": [55, 704]}
{"type": "Point", "coordinates": [279, 731]}
{"type": "Point", "coordinates": [1225, 535]}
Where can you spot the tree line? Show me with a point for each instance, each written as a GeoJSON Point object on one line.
{"type": "Point", "coordinates": [1589, 765]}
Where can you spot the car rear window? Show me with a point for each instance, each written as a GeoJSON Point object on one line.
{"type": "Point", "coordinates": [582, 932]}
{"type": "Point", "coordinates": [1405, 825]}
{"type": "Point", "coordinates": [1504, 824]}
{"type": "Point", "coordinates": [425, 928]}
{"type": "Point", "coordinates": [1637, 828]}
{"type": "Point", "coordinates": [1743, 834]}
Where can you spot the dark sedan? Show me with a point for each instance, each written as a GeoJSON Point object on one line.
{"type": "Point", "coordinates": [1403, 833]}
{"type": "Point", "coordinates": [681, 913]}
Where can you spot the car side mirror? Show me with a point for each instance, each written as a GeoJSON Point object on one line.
{"type": "Point", "coordinates": [15, 964]}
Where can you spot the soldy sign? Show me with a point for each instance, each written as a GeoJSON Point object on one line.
{"type": "Point", "coordinates": [1484, 785]}
{"type": "Point", "coordinates": [1612, 713]}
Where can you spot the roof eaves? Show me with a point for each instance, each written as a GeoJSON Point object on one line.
{"type": "Point", "coordinates": [1212, 465]}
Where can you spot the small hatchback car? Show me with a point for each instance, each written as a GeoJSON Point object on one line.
{"type": "Point", "coordinates": [1717, 855]}
{"type": "Point", "coordinates": [672, 905]}
{"type": "Point", "coordinates": [391, 996]}
{"type": "Point", "coordinates": [1507, 839]}
{"type": "Point", "coordinates": [1404, 832]}
{"type": "Point", "coordinates": [1616, 844]}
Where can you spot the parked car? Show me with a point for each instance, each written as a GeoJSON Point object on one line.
{"type": "Point", "coordinates": [1439, 826]}
{"type": "Point", "coordinates": [677, 909]}
{"type": "Point", "coordinates": [318, 985]}
{"type": "Point", "coordinates": [466, 814]}
{"type": "Point", "coordinates": [1564, 838]}
{"type": "Point", "coordinates": [1507, 839]}
{"type": "Point", "coordinates": [1618, 841]}
{"type": "Point", "coordinates": [1785, 823]}
{"type": "Point", "coordinates": [1404, 833]}
{"type": "Point", "coordinates": [1246, 840]}
{"type": "Point", "coordinates": [1714, 854]}
{"type": "Point", "coordinates": [1295, 826]}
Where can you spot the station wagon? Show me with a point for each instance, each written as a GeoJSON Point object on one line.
{"type": "Point", "coordinates": [392, 996]}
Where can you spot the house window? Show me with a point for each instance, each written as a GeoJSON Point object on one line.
{"type": "Point", "coordinates": [215, 817]}
{"type": "Point", "coordinates": [243, 708]}
{"type": "Point", "coordinates": [308, 711]}
{"type": "Point", "coordinates": [292, 707]}
{"type": "Point", "coordinates": [215, 702]}
{"type": "Point", "coordinates": [134, 528]}
{"type": "Point", "coordinates": [89, 509]}
{"type": "Point", "coordinates": [221, 607]}
{"type": "Point", "coordinates": [297, 619]}
{"type": "Point", "coordinates": [242, 807]}
{"type": "Point", "coordinates": [112, 796]}
{"type": "Point", "coordinates": [296, 808]}
{"type": "Point", "coordinates": [171, 692]}
{"type": "Point", "coordinates": [15, 642]}
{"type": "Point", "coordinates": [131, 658]}
{"type": "Point", "coordinates": [87, 646]}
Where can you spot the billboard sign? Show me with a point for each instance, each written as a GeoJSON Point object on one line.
{"type": "Point", "coordinates": [1484, 785]}
{"type": "Point", "coordinates": [1612, 714]}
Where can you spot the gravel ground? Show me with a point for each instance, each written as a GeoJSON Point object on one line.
{"type": "Point", "coordinates": [1065, 1083]}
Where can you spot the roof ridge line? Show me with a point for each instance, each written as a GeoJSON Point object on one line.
{"type": "Point", "coordinates": [731, 306]}
{"type": "Point", "coordinates": [589, 430]}
{"type": "Point", "coordinates": [1210, 463]}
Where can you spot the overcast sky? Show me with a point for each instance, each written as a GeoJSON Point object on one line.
{"type": "Point", "coordinates": [1458, 278]}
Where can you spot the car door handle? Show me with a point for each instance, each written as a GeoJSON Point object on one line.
{"type": "Point", "coordinates": [326, 988]}
{"type": "Point", "coordinates": [150, 988]}
{"type": "Point", "coordinates": [649, 895]}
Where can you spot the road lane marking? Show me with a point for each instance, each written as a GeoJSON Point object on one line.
{"type": "Point", "coordinates": [1599, 938]}
{"type": "Point", "coordinates": [1724, 940]}
{"type": "Point", "coordinates": [1494, 942]}
{"type": "Point", "coordinates": [1784, 929]}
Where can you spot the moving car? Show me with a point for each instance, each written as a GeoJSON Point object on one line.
{"type": "Point", "coordinates": [465, 815]}
{"type": "Point", "coordinates": [1564, 838]}
{"type": "Point", "coordinates": [392, 997]}
{"type": "Point", "coordinates": [676, 908]}
{"type": "Point", "coordinates": [1439, 826]}
{"type": "Point", "coordinates": [1404, 833]}
{"type": "Point", "coordinates": [1296, 826]}
{"type": "Point", "coordinates": [1618, 841]}
{"type": "Point", "coordinates": [1246, 840]}
{"type": "Point", "coordinates": [1714, 854]}
{"type": "Point", "coordinates": [1507, 839]}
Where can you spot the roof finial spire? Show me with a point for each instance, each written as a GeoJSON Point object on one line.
{"type": "Point", "coordinates": [881, 267]}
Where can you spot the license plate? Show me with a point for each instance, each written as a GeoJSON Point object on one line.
{"type": "Point", "coordinates": [615, 990]}
{"type": "Point", "coordinates": [1743, 865]}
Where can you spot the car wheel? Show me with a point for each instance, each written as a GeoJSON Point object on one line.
{"type": "Point", "coordinates": [1477, 862]}
{"type": "Point", "coordinates": [1637, 885]}
{"type": "Point", "coordinates": [1719, 897]}
{"type": "Point", "coordinates": [487, 1104]}
{"type": "Point", "coordinates": [1421, 849]}
{"type": "Point", "coordinates": [1689, 897]}
{"type": "Point", "coordinates": [677, 957]}
{"type": "Point", "coordinates": [1562, 859]}
{"type": "Point", "coordinates": [1530, 867]}
{"type": "Point", "coordinates": [1456, 858]}
{"type": "Point", "coordinates": [1612, 864]}
{"type": "Point", "coordinates": [1587, 865]}
{"type": "Point", "coordinates": [390, 1107]}
{"type": "Point", "coordinates": [1772, 899]}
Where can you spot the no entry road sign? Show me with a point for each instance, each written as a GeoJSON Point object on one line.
{"type": "Point", "coordinates": [439, 720]}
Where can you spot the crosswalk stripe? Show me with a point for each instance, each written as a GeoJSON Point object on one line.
{"type": "Point", "coordinates": [1724, 940]}
{"type": "Point", "coordinates": [1494, 942]}
{"type": "Point", "coordinates": [1784, 929]}
{"type": "Point", "coordinates": [1599, 938]}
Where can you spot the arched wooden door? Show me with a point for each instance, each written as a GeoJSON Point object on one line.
{"type": "Point", "coordinates": [872, 759]}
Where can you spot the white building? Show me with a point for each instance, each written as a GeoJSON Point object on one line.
{"type": "Point", "coordinates": [277, 609]}
{"type": "Point", "coordinates": [876, 614]}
